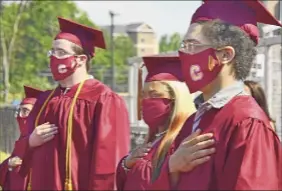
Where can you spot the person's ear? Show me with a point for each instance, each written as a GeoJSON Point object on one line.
{"type": "Point", "coordinates": [81, 59]}
{"type": "Point", "coordinates": [225, 55]}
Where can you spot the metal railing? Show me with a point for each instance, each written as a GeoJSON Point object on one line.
{"type": "Point", "coordinates": [9, 132]}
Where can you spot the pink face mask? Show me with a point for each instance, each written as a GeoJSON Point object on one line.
{"type": "Point", "coordinates": [199, 69]}
{"type": "Point", "coordinates": [156, 111]}
{"type": "Point", "coordinates": [62, 68]}
{"type": "Point", "coordinates": [22, 122]}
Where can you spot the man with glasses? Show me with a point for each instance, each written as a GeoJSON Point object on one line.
{"type": "Point", "coordinates": [217, 55]}
{"type": "Point", "coordinates": [9, 177]}
{"type": "Point", "coordinates": [81, 128]}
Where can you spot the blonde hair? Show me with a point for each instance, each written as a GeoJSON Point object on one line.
{"type": "Point", "coordinates": [183, 108]}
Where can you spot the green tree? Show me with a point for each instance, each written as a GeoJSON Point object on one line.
{"type": "Point", "coordinates": [123, 49]}
{"type": "Point", "coordinates": [171, 43]}
{"type": "Point", "coordinates": [37, 27]}
{"type": "Point", "coordinates": [163, 44]}
{"type": "Point", "coordinates": [8, 40]}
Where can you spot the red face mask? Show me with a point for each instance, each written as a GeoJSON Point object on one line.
{"type": "Point", "coordinates": [62, 68]}
{"type": "Point", "coordinates": [199, 69]}
{"type": "Point", "coordinates": [156, 111]}
{"type": "Point", "coordinates": [22, 122]}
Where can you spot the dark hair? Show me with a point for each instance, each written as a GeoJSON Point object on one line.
{"type": "Point", "coordinates": [259, 95]}
{"type": "Point", "coordinates": [79, 51]}
{"type": "Point", "coordinates": [222, 34]}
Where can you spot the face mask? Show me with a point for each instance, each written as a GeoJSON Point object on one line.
{"type": "Point", "coordinates": [156, 111]}
{"type": "Point", "coordinates": [62, 68]}
{"type": "Point", "coordinates": [199, 69]}
{"type": "Point", "coordinates": [22, 122]}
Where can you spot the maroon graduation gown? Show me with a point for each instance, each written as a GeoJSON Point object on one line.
{"type": "Point", "coordinates": [139, 177]}
{"type": "Point", "coordinates": [12, 180]}
{"type": "Point", "coordinates": [100, 139]}
{"type": "Point", "coordinates": [248, 152]}
{"type": "Point", "coordinates": [3, 173]}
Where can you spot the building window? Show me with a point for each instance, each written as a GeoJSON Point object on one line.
{"type": "Point", "coordinates": [142, 50]}
{"type": "Point", "coordinates": [142, 40]}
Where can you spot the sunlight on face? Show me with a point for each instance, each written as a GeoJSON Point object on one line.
{"type": "Point", "coordinates": [194, 33]}
{"type": "Point", "coordinates": [194, 40]}
{"type": "Point", "coordinates": [62, 48]}
{"type": "Point", "coordinates": [156, 89]}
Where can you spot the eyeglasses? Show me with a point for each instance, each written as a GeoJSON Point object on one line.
{"type": "Point", "coordinates": [190, 47]}
{"type": "Point", "coordinates": [22, 112]}
{"type": "Point", "coordinates": [59, 53]}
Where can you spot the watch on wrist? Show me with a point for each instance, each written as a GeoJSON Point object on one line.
{"type": "Point", "coordinates": [123, 165]}
{"type": "Point", "coordinates": [9, 167]}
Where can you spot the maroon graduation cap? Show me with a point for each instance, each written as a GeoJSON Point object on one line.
{"type": "Point", "coordinates": [31, 95]}
{"type": "Point", "coordinates": [242, 13]}
{"type": "Point", "coordinates": [163, 68]}
{"type": "Point", "coordinates": [160, 68]}
{"type": "Point", "coordinates": [84, 36]}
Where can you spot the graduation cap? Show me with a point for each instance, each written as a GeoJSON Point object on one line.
{"type": "Point", "coordinates": [81, 35]}
{"type": "Point", "coordinates": [163, 68]}
{"type": "Point", "coordinates": [31, 95]}
{"type": "Point", "coordinates": [160, 68]}
{"type": "Point", "coordinates": [242, 13]}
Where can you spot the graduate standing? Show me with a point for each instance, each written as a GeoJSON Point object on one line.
{"type": "Point", "coordinates": [165, 103]}
{"type": "Point", "coordinates": [9, 177]}
{"type": "Point", "coordinates": [79, 130]}
{"type": "Point", "coordinates": [217, 54]}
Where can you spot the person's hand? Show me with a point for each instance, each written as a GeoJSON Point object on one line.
{"type": "Point", "coordinates": [42, 134]}
{"type": "Point", "coordinates": [193, 151]}
{"type": "Point", "coordinates": [14, 162]}
{"type": "Point", "coordinates": [137, 154]}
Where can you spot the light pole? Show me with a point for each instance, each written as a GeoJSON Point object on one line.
{"type": "Point", "coordinates": [113, 84]}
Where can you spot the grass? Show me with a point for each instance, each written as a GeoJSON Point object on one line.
{"type": "Point", "coordinates": [3, 156]}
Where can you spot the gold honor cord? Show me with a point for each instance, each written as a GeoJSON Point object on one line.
{"type": "Point", "coordinates": [68, 182]}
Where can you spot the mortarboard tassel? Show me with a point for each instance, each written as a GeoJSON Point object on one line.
{"type": "Point", "coordinates": [68, 185]}
{"type": "Point", "coordinates": [29, 186]}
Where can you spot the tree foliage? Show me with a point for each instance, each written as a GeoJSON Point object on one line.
{"type": "Point", "coordinates": [38, 26]}
{"type": "Point", "coordinates": [170, 43]}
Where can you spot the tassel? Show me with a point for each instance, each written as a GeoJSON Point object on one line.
{"type": "Point", "coordinates": [29, 186]}
{"type": "Point", "coordinates": [68, 184]}
{"type": "Point", "coordinates": [139, 93]}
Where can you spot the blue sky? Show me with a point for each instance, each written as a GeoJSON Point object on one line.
{"type": "Point", "coordinates": [165, 17]}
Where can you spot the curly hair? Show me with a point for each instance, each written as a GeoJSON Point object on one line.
{"type": "Point", "coordinates": [222, 34]}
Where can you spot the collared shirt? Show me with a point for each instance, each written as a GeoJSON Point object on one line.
{"type": "Point", "coordinates": [219, 100]}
